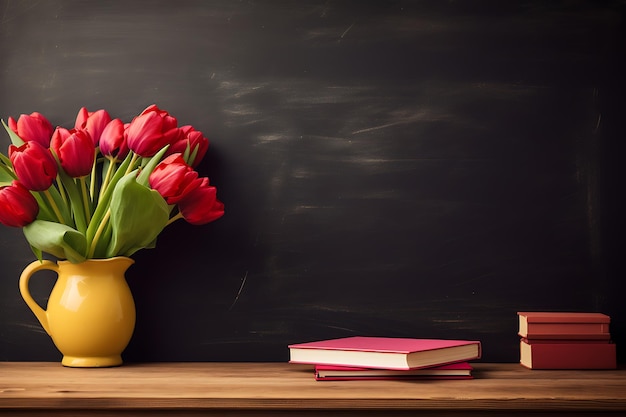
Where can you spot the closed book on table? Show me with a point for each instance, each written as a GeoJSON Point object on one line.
{"type": "Point", "coordinates": [385, 352]}
{"type": "Point", "coordinates": [567, 355]}
{"type": "Point", "coordinates": [564, 325]}
{"type": "Point", "coordinates": [462, 370]}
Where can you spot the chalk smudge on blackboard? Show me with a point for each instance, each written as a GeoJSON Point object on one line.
{"type": "Point", "coordinates": [345, 32]}
{"type": "Point", "coordinates": [243, 282]}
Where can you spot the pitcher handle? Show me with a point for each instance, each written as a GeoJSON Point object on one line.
{"type": "Point", "coordinates": [28, 272]}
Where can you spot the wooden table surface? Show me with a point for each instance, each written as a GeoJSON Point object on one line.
{"type": "Point", "coordinates": [42, 388]}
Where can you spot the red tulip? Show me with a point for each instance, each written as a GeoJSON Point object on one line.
{"type": "Point", "coordinates": [169, 121]}
{"type": "Point", "coordinates": [59, 135]}
{"type": "Point", "coordinates": [144, 135]}
{"type": "Point", "coordinates": [149, 132]}
{"type": "Point", "coordinates": [112, 142]}
{"type": "Point", "coordinates": [75, 151]}
{"type": "Point", "coordinates": [92, 122]}
{"type": "Point", "coordinates": [174, 179]}
{"type": "Point", "coordinates": [33, 127]}
{"type": "Point", "coordinates": [195, 140]}
{"type": "Point", "coordinates": [18, 207]}
{"type": "Point", "coordinates": [201, 206]}
{"type": "Point", "coordinates": [34, 165]}
{"type": "Point", "coordinates": [81, 118]}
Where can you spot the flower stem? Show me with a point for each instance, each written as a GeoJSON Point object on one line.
{"type": "Point", "coordinates": [107, 177]}
{"type": "Point", "coordinates": [98, 233]}
{"type": "Point", "coordinates": [61, 189]}
{"type": "Point", "coordinates": [133, 161]}
{"type": "Point", "coordinates": [54, 206]}
{"type": "Point", "coordinates": [92, 186]}
{"type": "Point", "coordinates": [85, 198]}
{"type": "Point", "coordinates": [178, 215]}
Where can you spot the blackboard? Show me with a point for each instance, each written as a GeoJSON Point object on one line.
{"type": "Point", "coordinates": [392, 168]}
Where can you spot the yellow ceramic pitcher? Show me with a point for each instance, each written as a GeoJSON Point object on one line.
{"type": "Point", "coordinates": [90, 314]}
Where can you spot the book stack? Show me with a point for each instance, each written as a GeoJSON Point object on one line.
{"type": "Point", "coordinates": [561, 340]}
{"type": "Point", "coordinates": [362, 358]}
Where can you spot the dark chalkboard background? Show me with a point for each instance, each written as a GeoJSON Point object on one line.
{"type": "Point", "coordinates": [396, 168]}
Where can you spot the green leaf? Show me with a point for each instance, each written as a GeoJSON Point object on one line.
{"type": "Point", "coordinates": [104, 201]}
{"type": "Point", "coordinates": [61, 204]}
{"type": "Point", "coordinates": [45, 212]}
{"type": "Point", "coordinates": [6, 170]}
{"type": "Point", "coordinates": [5, 160]}
{"type": "Point", "coordinates": [6, 176]}
{"type": "Point", "coordinates": [57, 239]}
{"type": "Point", "coordinates": [190, 157]}
{"type": "Point", "coordinates": [16, 140]}
{"type": "Point", "coordinates": [144, 175]}
{"type": "Point", "coordinates": [76, 200]}
{"type": "Point", "coordinates": [38, 253]}
{"type": "Point", "coordinates": [138, 215]}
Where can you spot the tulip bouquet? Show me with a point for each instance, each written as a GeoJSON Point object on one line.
{"type": "Point", "coordinates": [103, 188]}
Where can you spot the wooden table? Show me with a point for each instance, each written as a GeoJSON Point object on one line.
{"type": "Point", "coordinates": [263, 389]}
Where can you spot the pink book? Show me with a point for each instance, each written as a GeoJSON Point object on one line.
{"type": "Point", "coordinates": [462, 370]}
{"type": "Point", "coordinates": [385, 352]}
{"type": "Point", "coordinates": [563, 325]}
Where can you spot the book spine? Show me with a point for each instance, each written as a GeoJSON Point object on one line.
{"type": "Point", "coordinates": [580, 330]}
{"type": "Point", "coordinates": [554, 341]}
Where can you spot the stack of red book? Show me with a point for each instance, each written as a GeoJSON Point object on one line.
{"type": "Point", "coordinates": [563, 340]}
{"type": "Point", "coordinates": [361, 358]}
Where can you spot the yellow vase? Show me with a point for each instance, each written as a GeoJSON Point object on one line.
{"type": "Point", "coordinates": [90, 314]}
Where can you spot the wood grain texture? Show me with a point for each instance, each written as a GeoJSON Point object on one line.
{"type": "Point", "coordinates": [282, 387]}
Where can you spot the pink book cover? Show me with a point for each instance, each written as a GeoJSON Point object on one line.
{"type": "Point", "coordinates": [382, 344]}
{"type": "Point", "coordinates": [404, 353]}
{"type": "Point", "coordinates": [563, 325]}
{"type": "Point", "coordinates": [461, 370]}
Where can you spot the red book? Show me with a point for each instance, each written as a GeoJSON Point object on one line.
{"type": "Point", "coordinates": [385, 352]}
{"type": "Point", "coordinates": [462, 370]}
{"type": "Point", "coordinates": [563, 325]}
{"type": "Point", "coordinates": [564, 341]}
{"type": "Point", "coordinates": [572, 355]}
